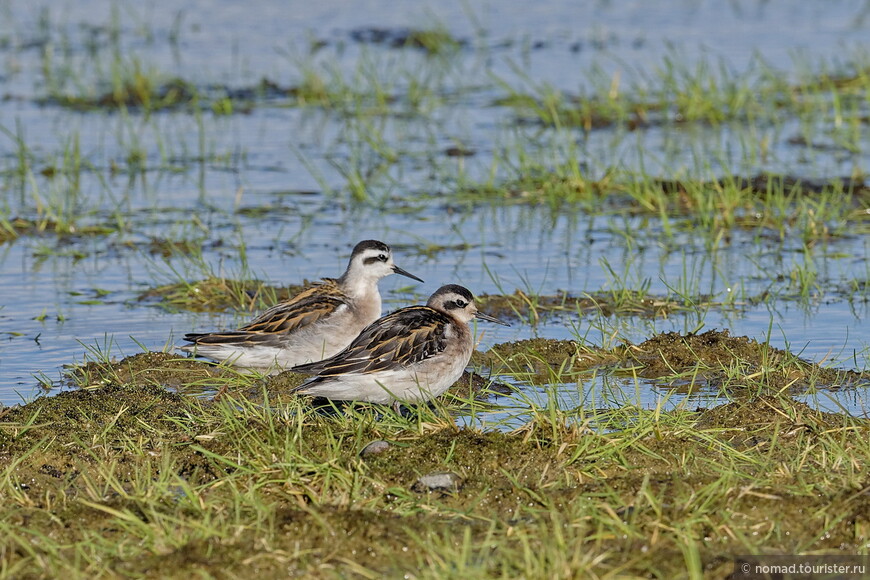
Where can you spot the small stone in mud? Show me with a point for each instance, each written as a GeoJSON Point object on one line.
{"type": "Point", "coordinates": [444, 481]}
{"type": "Point", "coordinates": [375, 448]}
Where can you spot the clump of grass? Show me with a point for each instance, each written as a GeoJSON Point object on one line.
{"type": "Point", "coordinates": [138, 90]}
{"type": "Point", "coordinates": [14, 228]}
{"type": "Point", "coordinates": [433, 41]}
{"type": "Point", "coordinates": [109, 77]}
{"type": "Point", "coordinates": [198, 287]}
{"type": "Point", "coordinates": [214, 294]}
{"type": "Point", "coordinates": [168, 247]}
{"type": "Point", "coordinates": [117, 80]}
{"type": "Point", "coordinates": [781, 205]}
{"type": "Point", "coordinates": [367, 91]}
{"type": "Point", "coordinates": [735, 366]}
{"type": "Point", "coordinates": [673, 93]}
{"type": "Point", "coordinates": [532, 307]}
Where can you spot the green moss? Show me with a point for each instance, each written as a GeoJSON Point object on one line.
{"type": "Point", "coordinates": [739, 365]}
{"type": "Point", "coordinates": [733, 362]}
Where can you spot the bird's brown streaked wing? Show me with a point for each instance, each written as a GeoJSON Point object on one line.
{"type": "Point", "coordinates": [233, 337]}
{"type": "Point", "coordinates": [403, 338]}
{"type": "Point", "coordinates": [303, 309]}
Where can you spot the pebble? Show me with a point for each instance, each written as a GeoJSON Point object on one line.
{"type": "Point", "coordinates": [374, 448]}
{"type": "Point", "coordinates": [438, 481]}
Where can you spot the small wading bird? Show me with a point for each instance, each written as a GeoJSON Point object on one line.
{"type": "Point", "coordinates": [411, 355]}
{"type": "Point", "coordinates": [314, 324]}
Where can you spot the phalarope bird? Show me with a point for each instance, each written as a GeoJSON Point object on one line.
{"type": "Point", "coordinates": [315, 324]}
{"type": "Point", "coordinates": [411, 355]}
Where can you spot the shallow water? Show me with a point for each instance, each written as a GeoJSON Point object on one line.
{"type": "Point", "coordinates": [270, 180]}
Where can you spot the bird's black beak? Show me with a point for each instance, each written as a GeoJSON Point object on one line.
{"type": "Point", "coordinates": [398, 270]}
{"type": "Point", "coordinates": [489, 318]}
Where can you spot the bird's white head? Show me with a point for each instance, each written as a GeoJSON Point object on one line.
{"type": "Point", "coordinates": [370, 261]}
{"type": "Point", "coordinates": [458, 302]}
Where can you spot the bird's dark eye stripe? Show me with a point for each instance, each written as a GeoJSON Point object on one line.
{"type": "Point", "coordinates": [452, 304]}
{"type": "Point", "coordinates": [373, 259]}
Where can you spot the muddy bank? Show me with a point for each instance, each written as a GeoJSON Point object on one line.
{"type": "Point", "coordinates": [188, 486]}
{"type": "Point", "coordinates": [223, 485]}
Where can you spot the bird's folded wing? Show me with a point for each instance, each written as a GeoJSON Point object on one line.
{"type": "Point", "coordinates": [232, 337]}
{"type": "Point", "coordinates": [306, 308]}
{"type": "Point", "coordinates": [399, 339]}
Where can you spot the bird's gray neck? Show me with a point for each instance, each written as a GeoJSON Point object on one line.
{"type": "Point", "coordinates": [360, 287]}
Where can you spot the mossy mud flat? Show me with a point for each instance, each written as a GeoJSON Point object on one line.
{"type": "Point", "coordinates": [737, 366]}
{"type": "Point", "coordinates": [128, 477]}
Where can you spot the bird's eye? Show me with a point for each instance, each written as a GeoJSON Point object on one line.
{"type": "Point", "coordinates": [461, 303]}
{"type": "Point", "coordinates": [382, 257]}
